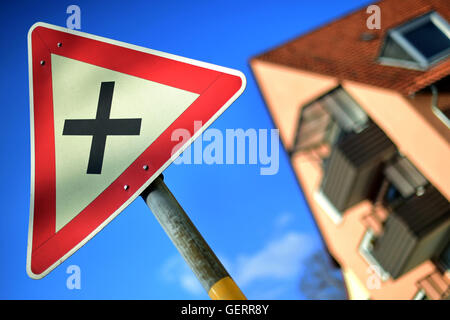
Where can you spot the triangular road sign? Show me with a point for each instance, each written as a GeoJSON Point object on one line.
{"type": "Point", "coordinates": [102, 115]}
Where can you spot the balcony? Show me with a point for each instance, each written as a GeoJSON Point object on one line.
{"type": "Point", "coordinates": [415, 231]}
{"type": "Point", "coordinates": [365, 194]}
{"type": "Point", "coordinates": [434, 286]}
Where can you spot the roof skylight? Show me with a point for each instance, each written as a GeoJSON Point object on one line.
{"type": "Point", "coordinates": [417, 44]}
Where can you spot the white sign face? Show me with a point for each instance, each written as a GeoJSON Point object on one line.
{"type": "Point", "coordinates": [76, 90]}
{"type": "Point", "coordinates": [102, 117]}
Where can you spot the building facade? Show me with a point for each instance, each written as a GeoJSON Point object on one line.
{"type": "Point", "coordinates": [364, 115]}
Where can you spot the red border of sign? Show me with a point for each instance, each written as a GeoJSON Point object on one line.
{"type": "Point", "coordinates": [217, 87]}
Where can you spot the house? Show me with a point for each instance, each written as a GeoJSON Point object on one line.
{"type": "Point", "coordinates": [364, 115]}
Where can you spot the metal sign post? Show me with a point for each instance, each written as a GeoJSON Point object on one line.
{"type": "Point", "coordinates": [190, 243]}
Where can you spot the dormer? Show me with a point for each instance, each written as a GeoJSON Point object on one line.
{"type": "Point", "coordinates": [418, 43]}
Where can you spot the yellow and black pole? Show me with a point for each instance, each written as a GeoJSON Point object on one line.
{"type": "Point", "coordinates": [190, 243]}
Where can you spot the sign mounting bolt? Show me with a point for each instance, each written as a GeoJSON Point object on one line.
{"type": "Point", "coordinates": [126, 187]}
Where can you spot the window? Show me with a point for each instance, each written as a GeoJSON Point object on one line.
{"type": "Point", "coordinates": [392, 196]}
{"type": "Point", "coordinates": [428, 39]}
{"type": "Point", "coordinates": [444, 258]}
{"type": "Point", "coordinates": [440, 101]}
{"type": "Point", "coordinates": [417, 44]}
{"type": "Point", "coordinates": [401, 180]}
{"type": "Point", "coordinates": [438, 94]}
{"type": "Point", "coordinates": [405, 180]}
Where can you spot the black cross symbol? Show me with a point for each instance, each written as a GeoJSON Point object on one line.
{"type": "Point", "coordinates": [101, 127]}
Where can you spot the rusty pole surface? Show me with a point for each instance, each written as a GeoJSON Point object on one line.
{"type": "Point", "coordinates": [187, 239]}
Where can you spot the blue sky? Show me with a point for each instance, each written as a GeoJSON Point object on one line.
{"type": "Point", "coordinates": [258, 225]}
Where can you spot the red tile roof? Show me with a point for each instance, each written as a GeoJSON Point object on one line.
{"type": "Point", "coordinates": [337, 49]}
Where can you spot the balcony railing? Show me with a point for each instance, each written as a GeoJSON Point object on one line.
{"type": "Point", "coordinates": [435, 285]}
